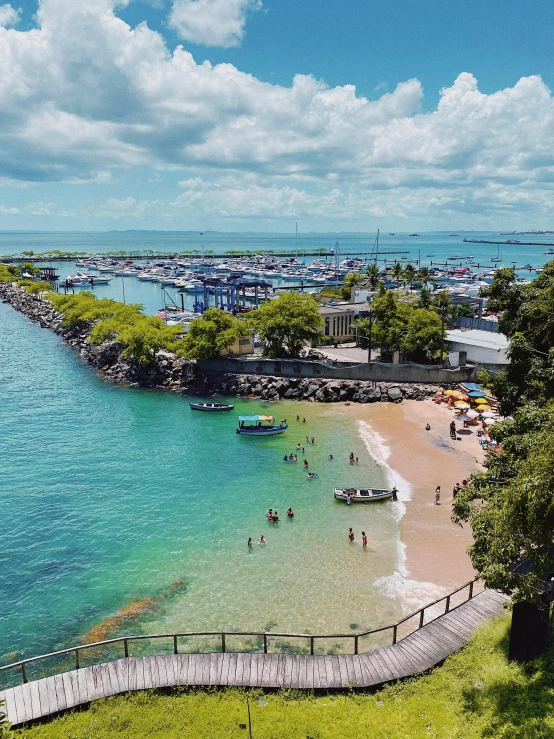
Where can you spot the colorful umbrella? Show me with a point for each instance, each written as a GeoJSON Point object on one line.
{"type": "Point", "coordinates": [463, 417]}
{"type": "Point", "coordinates": [489, 421]}
{"type": "Point", "coordinates": [477, 394]}
{"type": "Point", "coordinates": [450, 392]}
{"type": "Point", "coordinates": [460, 405]}
{"type": "Point", "coordinates": [487, 414]}
{"type": "Point", "coordinates": [472, 414]}
{"type": "Point", "coordinates": [482, 408]}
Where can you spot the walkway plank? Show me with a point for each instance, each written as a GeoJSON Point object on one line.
{"type": "Point", "coordinates": [416, 653]}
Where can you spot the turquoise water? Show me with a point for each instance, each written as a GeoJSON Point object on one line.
{"type": "Point", "coordinates": [109, 495]}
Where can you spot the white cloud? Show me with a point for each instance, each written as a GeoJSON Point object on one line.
{"type": "Point", "coordinates": [9, 16]}
{"type": "Point", "coordinates": [212, 22]}
{"type": "Point", "coordinates": [84, 97]}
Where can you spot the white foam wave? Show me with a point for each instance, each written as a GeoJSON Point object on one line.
{"type": "Point", "coordinates": [380, 452]}
{"type": "Point", "coordinates": [412, 594]}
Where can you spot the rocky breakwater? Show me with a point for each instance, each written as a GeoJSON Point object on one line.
{"type": "Point", "coordinates": [313, 390]}
{"type": "Point", "coordinates": [165, 371]}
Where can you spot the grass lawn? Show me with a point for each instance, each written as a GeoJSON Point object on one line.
{"type": "Point", "coordinates": [476, 693]}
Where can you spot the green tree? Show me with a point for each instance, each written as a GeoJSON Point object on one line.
{"type": "Point", "coordinates": [287, 324]}
{"type": "Point", "coordinates": [351, 280]}
{"type": "Point", "coordinates": [425, 298]}
{"type": "Point", "coordinates": [408, 275]}
{"type": "Point", "coordinates": [373, 274]}
{"type": "Point", "coordinates": [391, 321]}
{"type": "Point", "coordinates": [527, 319]}
{"type": "Point", "coordinates": [422, 339]}
{"type": "Point", "coordinates": [143, 339]}
{"type": "Point", "coordinates": [214, 332]}
{"type": "Point", "coordinates": [424, 277]}
{"type": "Point", "coordinates": [5, 725]}
{"type": "Point", "coordinates": [464, 310]}
{"type": "Point", "coordinates": [510, 506]}
{"type": "Point", "coordinates": [396, 271]}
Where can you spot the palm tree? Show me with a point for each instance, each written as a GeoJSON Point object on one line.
{"type": "Point", "coordinates": [397, 271]}
{"type": "Point", "coordinates": [408, 275]}
{"type": "Point", "coordinates": [425, 298]}
{"type": "Point", "coordinates": [373, 273]}
{"type": "Point", "coordinates": [424, 276]}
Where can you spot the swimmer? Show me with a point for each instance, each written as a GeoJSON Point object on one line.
{"type": "Point", "coordinates": [303, 451]}
{"type": "Point", "coordinates": [331, 457]}
{"type": "Point", "coordinates": [290, 513]}
{"type": "Point", "coordinates": [313, 440]}
{"type": "Point", "coordinates": [364, 540]}
{"type": "Point", "coordinates": [299, 446]}
{"type": "Point", "coordinates": [350, 535]}
{"type": "Point", "coordinates": [249, 543]}
{"type": "Point", "coordinates": [305, 464]}
{"type": "Point", "coordinates": [275, 517]}
{"type": "Point", "coordinates": [298, 418]}
{"type": "Point", "coordinates": [269, 514]}
{"type": "Point", "coordinates": [311, 475]}
{"type": "Point", "coordinates": [303, 420]}
{"type": "Point", "coordinates": [357, 462]}
{"type": "Point", "coordinates": [262, 540]}
{"type": "Point", "coordinates": [285, 458]}
{"type": "Point", "coordinates": [351, 457]}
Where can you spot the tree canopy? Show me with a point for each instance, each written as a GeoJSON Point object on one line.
{"type": "Point", "coordinates": [527, 319]}
{"type": "Point", "coordinates": [287, 324]}
{"type": "Point", "coordinates": [510, 506]}
{"type": "Point", "coordinates": [213, 332]}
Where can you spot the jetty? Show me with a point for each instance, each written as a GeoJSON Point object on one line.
{"type": "Point", "coordinates": [431, 634]}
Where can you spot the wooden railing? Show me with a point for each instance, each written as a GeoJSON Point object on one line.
{"type": "Point", "coordinates": [263, 635]}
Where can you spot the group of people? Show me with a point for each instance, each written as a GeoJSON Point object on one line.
{"type": "Point", "coordinates": [353, 460]}
{"type": "Point", "coordinates": [273, 516]}
{"type": "Point", "coordinates": [455, 490]}
{"type": "Point", "coordinates": [364, 538]}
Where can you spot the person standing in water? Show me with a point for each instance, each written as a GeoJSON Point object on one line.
{"type": "Point", "coordinates": [250, 543]}
{"type": "Point", "coordinates": [305, 464]}
{"type": "Point", "coordinates": [262, 540]}
{"type": "Point", "coordinates": [350, 535]}
{"type": "Point", "coordinates": [364, 540]}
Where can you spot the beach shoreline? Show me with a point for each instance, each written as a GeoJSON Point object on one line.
{"type": "Point", "coordinates": [433, 548]}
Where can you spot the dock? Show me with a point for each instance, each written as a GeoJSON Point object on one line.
{"type": "Point", "coordinates": [424, 648]}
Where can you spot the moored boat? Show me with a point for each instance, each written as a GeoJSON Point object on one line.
{"type": "Point", "coordinates": [362, 495]}
{"type": "Point", "coordinates": [260, 426]}
{"type": "Point", "coordinates": [211, 407]}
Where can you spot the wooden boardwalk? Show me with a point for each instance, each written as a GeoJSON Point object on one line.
{"type": "Point", "coordinates": [414, 654]}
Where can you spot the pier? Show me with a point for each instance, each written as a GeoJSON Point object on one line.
{"type": "Point", "coordinates": [432, 634]}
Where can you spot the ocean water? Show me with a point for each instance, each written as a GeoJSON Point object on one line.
{"type": "Point", "coordinates": [115, 498]}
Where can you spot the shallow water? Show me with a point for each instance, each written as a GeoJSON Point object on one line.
{"type": "Point", "coordinates": [109, 495]}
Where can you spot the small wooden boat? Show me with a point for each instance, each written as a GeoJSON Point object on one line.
{"type": "Point", "coordinates": [260, 426]}
{"type": "Point", "coordinates": [362, 495]}
{"type": "Point", "coordinates": [211, 407]}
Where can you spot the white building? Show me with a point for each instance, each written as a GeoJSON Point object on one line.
{"type": "Point", "coordinates": [483, 348]}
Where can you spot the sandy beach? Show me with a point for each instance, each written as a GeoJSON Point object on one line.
{"type": "Point", "coordinates": [435, 548]}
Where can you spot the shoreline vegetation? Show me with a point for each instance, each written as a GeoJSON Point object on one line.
{"type": "Point", "coordinates": [477, 692]}
{"type": "Point", "coordinates": [126, 347]}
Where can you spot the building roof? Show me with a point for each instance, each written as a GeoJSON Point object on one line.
{"type": "Point", "coordinates": [474, 337]}
{"type": "Point", "coordinates": [343, 308]}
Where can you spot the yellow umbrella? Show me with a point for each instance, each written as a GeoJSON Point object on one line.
{"type": "Point", "coordinates": [461, 404]}
{"type": "Point", "coordinates": [450, 392]}
{"type": "Point", "coordinates": [483, 408]}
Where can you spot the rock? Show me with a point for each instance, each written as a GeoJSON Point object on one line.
{"type": "Point", "coordinates": [395, 394]}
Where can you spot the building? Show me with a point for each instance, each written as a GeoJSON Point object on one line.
{"type": "Point", "coordinates": [242, 345]}
{"type": "Point", "coordinates": [483, 348]}
{"type": "Point", "coordinates": [338, 319]}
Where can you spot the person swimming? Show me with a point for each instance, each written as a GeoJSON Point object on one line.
{"type": "Point", "coordinates": [350, 535]}
{"type": "Point", "coordinates": [306, 464]}
{"type": "Point", "coordinates": [331, 457]}
{"type": "Point", "coordinates": [262, 540]}
{"type": "Point", "coordinates": [290, 513]}
{"type": "Point", "coordinates": [250, 543]}
{"type": "Point", "coordinates": [311, 475]}
{"type": "Point", "coordinates": [269, 514]}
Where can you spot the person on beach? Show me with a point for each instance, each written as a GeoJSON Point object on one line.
{"type": "Point", "coordinates": [262, 540]}
{"type": "Point", "coordinates": [394, 494]}
{"type": "Point", "coordinates": [250, 543]}
{"type": "Point", "coordinates": [364, 540]}
{"type": "Point", "coordinates": [290, 513]}
{"type": "Point", "coordinates": [428, 427]}
{"type": "Point", "coordinates": [350, 535]}
{"type": "Point", "coordinates": [438, 495]}
{"type": "Point", "coordinates": [306, 464]}
{"type": "Point", "coordinates": [452, 429]}
{"type": "Point", "coordinates": [456, 489]}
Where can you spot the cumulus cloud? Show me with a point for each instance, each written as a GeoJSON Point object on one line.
{"type": "Point", "coordinates": [212, 22]}
{"type": "Point", "coordinates": [84, 96]}
{"type": "Point", "coordinates": [9, 16]}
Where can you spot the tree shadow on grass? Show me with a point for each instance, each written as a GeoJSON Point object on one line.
{"type": "Point", "coordinates": [519, 703]}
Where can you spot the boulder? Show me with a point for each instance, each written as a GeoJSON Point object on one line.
{"type": "Point", "coordinates": [395, 393]}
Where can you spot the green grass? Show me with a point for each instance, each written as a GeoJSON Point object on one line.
{"type": "Point", "coordinates": [476, 693]}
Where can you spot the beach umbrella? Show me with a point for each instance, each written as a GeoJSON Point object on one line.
{"type": "Point", "coordinates": [472, 414]}
{"type": "Point", "coordinates": [482, 408]}
{"type": "Point", "coordinates": [463, 417]}
{"type": "Point", "coordinates": [477, 394]}
{"type": "Point", "coordinates": [461, 405]}
{"type": "Point", "coordinates": [489, 421]}
{"type": "Point", "coordinates": [450, 392]}
{"type": "Point", "coordinates": [487, 414]}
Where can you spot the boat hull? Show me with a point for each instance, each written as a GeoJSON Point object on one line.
{"type": "Point", "coordinates": [269, 431]}
{"type": "Point", "coordinates": [211, 407]}
{"type": "Point", "coordinates": [362, 495]}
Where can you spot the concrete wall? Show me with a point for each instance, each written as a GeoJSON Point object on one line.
{"type": "Point", "coordinates": [481, 355]}
{"type": "Point", "coordinates": [379, 372]}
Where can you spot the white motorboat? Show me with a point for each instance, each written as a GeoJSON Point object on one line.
{"type": "Point", "coordinates": [362, 495]}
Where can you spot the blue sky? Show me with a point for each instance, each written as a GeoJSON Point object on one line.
{"type": "Point", "coordinates": [254, 114]}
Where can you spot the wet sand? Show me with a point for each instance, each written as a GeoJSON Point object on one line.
{"type": "Point", "coordinates": [436, 549]}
